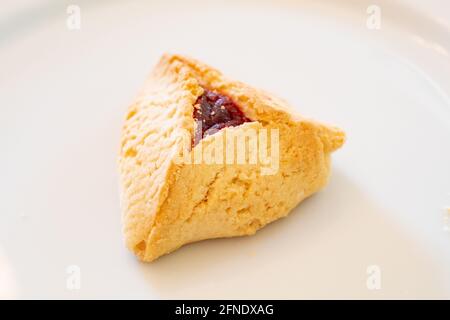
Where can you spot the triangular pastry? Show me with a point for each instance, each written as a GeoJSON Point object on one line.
{"type": "Point", "coordinates": [203, 156]}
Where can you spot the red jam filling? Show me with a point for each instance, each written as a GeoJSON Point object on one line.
{"type": "Point", "coordinates": [213, 112]}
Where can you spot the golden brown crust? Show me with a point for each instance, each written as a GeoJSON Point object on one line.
{"type": "Point", "coordinates": [166, 205]}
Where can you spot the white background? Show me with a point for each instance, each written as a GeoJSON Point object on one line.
{"type": "Point", "coordinates": [63, 95]}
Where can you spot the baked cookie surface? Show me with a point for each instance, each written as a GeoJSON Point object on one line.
{"type": "Point", "coordinates": [203, 156]}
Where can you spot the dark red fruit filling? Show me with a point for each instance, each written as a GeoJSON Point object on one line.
{"type": "Point", "coordinates": [214, 111]}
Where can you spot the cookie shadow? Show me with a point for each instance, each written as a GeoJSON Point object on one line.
{"type": "Point", "coordinates": [323, 249]}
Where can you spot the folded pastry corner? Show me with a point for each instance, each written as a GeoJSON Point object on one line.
{"type": "Point", "coordinates": [203, 156]}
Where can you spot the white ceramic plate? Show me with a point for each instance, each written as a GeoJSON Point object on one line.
{"type": "Point", "coordinates": [379, 230]}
